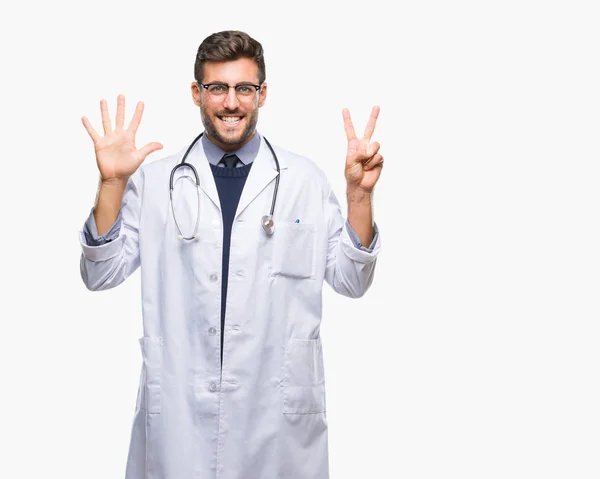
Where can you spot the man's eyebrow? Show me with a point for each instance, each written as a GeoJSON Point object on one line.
{"type": "Point", "coordinates": [218, 82]}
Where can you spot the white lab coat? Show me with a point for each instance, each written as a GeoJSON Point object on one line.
{"type": "Point", "coordinates": [264, 415]}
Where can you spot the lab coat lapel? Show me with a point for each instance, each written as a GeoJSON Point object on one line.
{"type": "Point", "coordinates": [207, 180]}
{"type": "Point", "coordinates": [262, 173]}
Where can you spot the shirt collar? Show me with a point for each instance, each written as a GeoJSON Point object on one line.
{"type": "Point", "coordinates": [246, 153]}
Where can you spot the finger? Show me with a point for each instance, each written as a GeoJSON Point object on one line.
{"type": "Point", "coordinates": [105, 117]}
{"type": "Point", "coordinates": [120, 113]}
{"type": "Point", "coordinates": [373, 148]}
{"type": "Point", "coordinates": [137, 117]}
{"type": "Point", "coordinates": [377, 160]}
{"type": "Point", "coordinates": [370, 128]}
{"type": "Point", "coordinates": [353, 155]}
{"type": "Point", "coordinates": [348, 126]}
{"type": "Point", "coordinates": [90, 129]}
{"type": "Point", "coordinates": [149, 148]}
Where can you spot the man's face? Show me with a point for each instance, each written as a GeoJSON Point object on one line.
{"type": "Point", "coordinates": [229, 121]}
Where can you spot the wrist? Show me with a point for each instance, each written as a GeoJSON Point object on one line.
{"type": "Point", "coordinates": [114, 182]}
{"type": "Point", "coordinates": [358, 195]}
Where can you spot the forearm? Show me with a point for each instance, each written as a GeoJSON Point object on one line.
{"type": "Point", "coordinates": [360, 214]}
{"type": "Point", "coordinates": [108, 205]}
{"type": "Point", "coordinates": [350, 268]}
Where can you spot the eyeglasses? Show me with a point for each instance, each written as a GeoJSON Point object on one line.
{"type": "Point", "coordinates": [218, 91]}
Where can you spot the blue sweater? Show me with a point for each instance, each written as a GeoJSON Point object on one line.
{"type": "Point", "coordinates": [230, 183]}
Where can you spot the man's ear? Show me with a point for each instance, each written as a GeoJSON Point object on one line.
{"type": "Point", "coordinates": [196, 93]}
{"type": "Point", "coordinates": [263, 95]}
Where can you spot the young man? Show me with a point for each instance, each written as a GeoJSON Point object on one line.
{"type": "Point", "coordinates": [232, 382]}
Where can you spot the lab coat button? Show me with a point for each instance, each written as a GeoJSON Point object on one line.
{"type": "Point", "coordinates": [212, 386]}
{"type": "Point", "coordinates": [235, 327]}
{"type": "Point", "coordinates": [214, 277]}
{"type": "Point", "coordinates": [212, 331]}
{"type": "Point", "coordinates": [240, 272]}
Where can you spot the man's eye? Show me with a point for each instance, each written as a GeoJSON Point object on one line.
{"type": "Point", "coordinates": [217, 88]}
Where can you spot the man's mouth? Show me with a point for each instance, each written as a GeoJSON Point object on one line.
{"type": "Point", "coordinates": [231, 120]}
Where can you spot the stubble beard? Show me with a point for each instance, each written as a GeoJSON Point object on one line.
{"type": "Point", "coordinates": [213, 132]}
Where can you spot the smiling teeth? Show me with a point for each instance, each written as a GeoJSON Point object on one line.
{"type": "Point", "coordinates": [231, 119]}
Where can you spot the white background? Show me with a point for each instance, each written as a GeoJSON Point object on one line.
{"type": "Point", "coordinates": [476, 352]}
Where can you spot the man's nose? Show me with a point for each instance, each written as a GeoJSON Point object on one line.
{"type": "Point", "coordinates": [231, 101]}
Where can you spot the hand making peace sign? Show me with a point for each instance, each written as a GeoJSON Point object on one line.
{"type": "Point", "coordinates": [363, 162]}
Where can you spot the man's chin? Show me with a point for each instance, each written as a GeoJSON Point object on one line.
{"type": "Point", "coordinates": [232, 136]}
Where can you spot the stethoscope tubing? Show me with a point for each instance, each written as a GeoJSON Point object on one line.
{"type": "Point", "coordinates": [266, 221]}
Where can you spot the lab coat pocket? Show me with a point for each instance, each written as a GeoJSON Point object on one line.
{"type": "Point", "coordinates": [150, 399]}
{"type": "Point", "coordinates": [303, 385]}
{"type": "Point", "coordinates": [294, 250]}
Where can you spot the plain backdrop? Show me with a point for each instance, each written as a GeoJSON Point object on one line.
{"type": "Point", "coordinates": [474, 355]}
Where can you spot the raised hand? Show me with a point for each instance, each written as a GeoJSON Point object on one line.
{"type": "Point", "coordinates": [363, 162]}
{"type": "Point", "coordinates": [116, 154]}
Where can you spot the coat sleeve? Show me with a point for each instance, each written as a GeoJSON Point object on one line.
{"type": "Point", "coordinates": [108, 265]}
{"type": "Point", "coordinates": [349, 270]}
{"type": "Point", "coordinates": [92, 238]}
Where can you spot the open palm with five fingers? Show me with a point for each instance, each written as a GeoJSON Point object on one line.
{"type": "Point", "coordinates": [116, 154]}
{"type": "Point", "coordinates": [363, 161]}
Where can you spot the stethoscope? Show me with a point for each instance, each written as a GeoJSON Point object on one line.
{"type": "Point", "coordinates": [266, 221]}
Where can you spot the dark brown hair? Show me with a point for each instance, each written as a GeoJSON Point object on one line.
{"type": "Point", "coordinates": [228, 46]}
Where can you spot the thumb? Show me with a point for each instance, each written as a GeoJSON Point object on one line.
{"type": "Point", "coordinates": [149, 148]}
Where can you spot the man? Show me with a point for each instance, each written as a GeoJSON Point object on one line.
{"type": "Point", "coordinates": [232, 381]}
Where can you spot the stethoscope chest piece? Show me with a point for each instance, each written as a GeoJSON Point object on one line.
{"type": "Point", "coordinates": [267, 224]}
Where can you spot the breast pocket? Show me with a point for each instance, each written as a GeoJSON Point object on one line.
{"type": "Point", "coordinates": [294, 250]}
